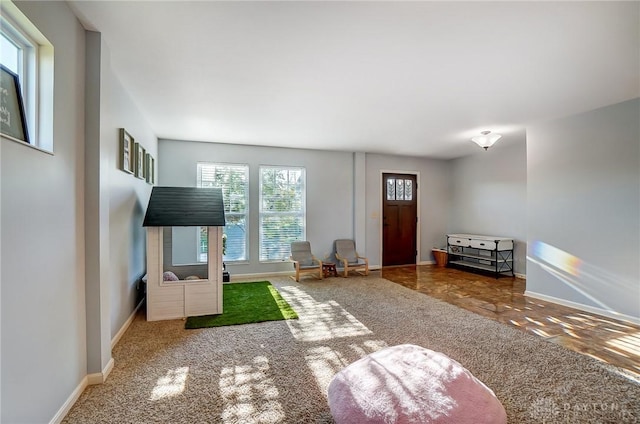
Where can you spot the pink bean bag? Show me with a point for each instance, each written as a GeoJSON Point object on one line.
{"type": "Point", "coordinates": [411, 384]}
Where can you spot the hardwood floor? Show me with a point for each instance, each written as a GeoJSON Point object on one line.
{"type": "Point", "coordinates": [503, 300]}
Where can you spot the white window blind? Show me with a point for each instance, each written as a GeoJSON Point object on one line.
{"type": "Point", "coordinates": [233, 179]}
{"type": "Point", "coordinates": [282, 210]}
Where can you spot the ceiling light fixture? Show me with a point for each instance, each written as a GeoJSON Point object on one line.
{"type": "Point", "coordinates": [486, 140]}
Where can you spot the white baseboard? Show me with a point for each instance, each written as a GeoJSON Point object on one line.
{"type": "Point", "coordinates": [107, 370]}
{"type": "Point", "coordinates": [585, 308]}
{"type": "Point", "coordinates": [521, 276]}
{"type": "Point", "coordinates": [427, 263]}
{"type": "Point", "coordinates": [244, 277]}
{"type": "Point", "coordinates": [101, 377]}
{"type": "Point", "coordinates": [125, 326]}
{"type": "Point", "coordinates": [71, 400]}
{"type": "Point", "coordinates": [95, 378]}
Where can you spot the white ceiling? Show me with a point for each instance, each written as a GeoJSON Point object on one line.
{"type": "Point", "coordinates": [408, 78]}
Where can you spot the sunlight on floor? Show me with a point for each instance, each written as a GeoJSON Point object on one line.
{"type": "Point", "coordinates": [541, 333]}
{"type": "Point", "coordinates": [249, 394]}
{"type": "Point", "coordinates": [533, 321]}
{"type": "Point", "coordinates": [571, 333]}
{"type": "Point", "coordinates": [171, 384]}
{"type": "Point", "coordinates": [325, 362]}
{"type": "Point", "coordinates": [607, 339]}
{"type": "Point", "coordinates": [629, 343]}
{"type": "Point", "coordinates": [320, 320]}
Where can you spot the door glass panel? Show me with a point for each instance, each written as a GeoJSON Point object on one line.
{"type": "Point", "coordinates": [399, 189]}
{"type": "Point", "coordinates": [391, 189]}
{"type": "Point", "coordinates": [408, 190]}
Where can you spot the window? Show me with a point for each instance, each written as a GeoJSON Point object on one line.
{"type": "Point", "coordinates": [282, 210]}
{"type": "Point", "coordinates": [11, 53]}
{"type": "Point", "coordinates": [234, 181]}
{"type": "Point", "coordinates": [399, 189]}
{"type": "Point", "coordinates": [26, 52]}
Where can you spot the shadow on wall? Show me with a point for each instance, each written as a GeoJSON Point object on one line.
{"type": "Point", "coordinates": [138, 241]}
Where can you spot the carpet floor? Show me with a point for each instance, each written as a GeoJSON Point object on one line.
{"type": "Point", "coordinates": [278, 372]}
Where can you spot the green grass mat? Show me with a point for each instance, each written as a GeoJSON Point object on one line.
{"type": "Point", "coordinates": [244, 303]}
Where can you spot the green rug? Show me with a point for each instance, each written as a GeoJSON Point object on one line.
{"type": "Point", "coordinates": [244, 303]}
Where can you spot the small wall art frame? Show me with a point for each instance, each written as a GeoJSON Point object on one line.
{"type": "Point", "coordinates": [127, 152]}
{"type": "Point", "coordinates": [150, 169]}
{"type": "Point", "coordinates": [140, 159]}
{"type": "Point", "coordinates": [13, 122]}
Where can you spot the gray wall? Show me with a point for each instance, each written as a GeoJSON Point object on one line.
{"type": "Point", "coordinates": [114, 205]}
{"type": "Point", "coordinates": [343, 194]}
{"type": "Point", "coordinates": [489, 192]}
{"type": "Point", "coordinates": [329, 177]}
{"type": "Point", "coordinates": [72, 243]}
{"type": "Point", "coordinates": [128, 196]}
{"type": "Point", "coordinates": [43, 311]}
{"type": "Point", "coordinates": [583, 190]}
{"type": "Point", "coordinates": [435, 201]}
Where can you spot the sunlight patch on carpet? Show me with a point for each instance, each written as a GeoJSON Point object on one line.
{"type": "Point", "coordinates": [324, 361]}
{"type": "Point", "coordinates": [172, 384]}
{"type": "Point", "coordinates": [249, 394]}
{"type": "Point", "coordinates": [320, 320]}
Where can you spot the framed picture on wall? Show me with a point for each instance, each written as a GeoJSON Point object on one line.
{"type": "Point", "coordinates": [140, 156]}
{"type": "Point", "coordinates": [127, 153]}
{"type": "Point", "coordinates": [150, 169]}
{"type": "Point", "coordinates": [13, 121]}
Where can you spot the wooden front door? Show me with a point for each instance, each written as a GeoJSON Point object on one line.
{"type": "Point", "coordinates": [399, 219]}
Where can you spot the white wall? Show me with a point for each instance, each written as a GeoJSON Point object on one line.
{"type": "Point", "coordinates": [433, 209]}
{"type": "Point", "coordinates": [583, 189]}
{"type": "Point", "coordinates": [489, 192]}
{"type": "Point", "coordinates": [43, 312]}
{"type": "Point", "coordinates": [128, 196]}
{"type": "Point", "coordinates": [329, 177]}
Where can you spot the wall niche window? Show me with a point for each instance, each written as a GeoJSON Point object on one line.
{"type": "Point", "coordinates": [25, 51]}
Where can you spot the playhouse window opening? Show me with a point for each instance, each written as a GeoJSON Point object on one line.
{"type": "Point", "coordinates": [178, 260]}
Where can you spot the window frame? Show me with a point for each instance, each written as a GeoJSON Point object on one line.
{"type": "Point", "coordinates": [228, 214]}
{"type": "Point", "coordinates": [262, 213]}
{"type": "Point", "coordinates": [36, 75]}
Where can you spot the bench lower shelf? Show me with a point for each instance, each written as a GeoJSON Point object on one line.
{"type": "Point", "coordinates": [483, 267]}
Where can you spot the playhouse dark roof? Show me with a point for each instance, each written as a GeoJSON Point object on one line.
{"type": "Point", "coordinates": [185, 207]}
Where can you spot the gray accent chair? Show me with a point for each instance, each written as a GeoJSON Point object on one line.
{"type": "Point", "coordinates": [304, 261]}
{"type": "Point", "coordinates": [347, 255]}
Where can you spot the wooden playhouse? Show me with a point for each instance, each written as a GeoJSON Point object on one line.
{"type": "Point", "coordinates": [183, 207]}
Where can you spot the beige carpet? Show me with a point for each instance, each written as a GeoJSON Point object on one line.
{"type": "Point", "coordinates": [277, 372]}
